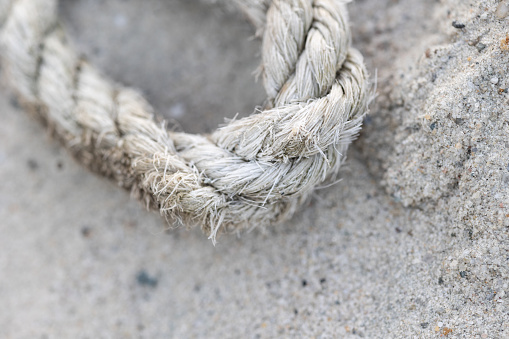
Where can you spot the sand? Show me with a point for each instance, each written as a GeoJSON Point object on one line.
{"type": "Point", "coordinates": [413, 242]}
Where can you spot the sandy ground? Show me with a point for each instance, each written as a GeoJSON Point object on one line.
{"type": "Point", "coordinates": [413, 242]}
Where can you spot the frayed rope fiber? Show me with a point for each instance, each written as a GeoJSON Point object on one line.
{"type": "Point", "coordinates": [254, 171]}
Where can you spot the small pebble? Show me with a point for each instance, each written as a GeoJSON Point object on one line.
{"type": "Point", "coordinates": [494, 80]}
{"type": "Point", "coordinates": [146, 280]}
{"type": "Point", "coordinates": [480, 46]}
{"type": "Point", "coordinates": [457, 25]}
{"type": "Point", "coordinates": [440, 324]}
{"type": "Point", "coordinates": [502, 11]}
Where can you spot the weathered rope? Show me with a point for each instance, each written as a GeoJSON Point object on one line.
{"type": "Point", "coordinates": [255, 170]}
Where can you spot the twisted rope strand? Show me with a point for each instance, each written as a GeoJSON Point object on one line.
{"type": "Point", "coordinates": [256, 170]}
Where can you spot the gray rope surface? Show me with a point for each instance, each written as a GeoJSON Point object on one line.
{"type": "Point", "coordinates": [256, 170]}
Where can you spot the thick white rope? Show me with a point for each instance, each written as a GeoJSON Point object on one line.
{"type": "Point", "coordinates": [255, 170]}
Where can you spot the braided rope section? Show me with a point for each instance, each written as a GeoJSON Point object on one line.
{"type": "Point", "coordinates": [256, 170]}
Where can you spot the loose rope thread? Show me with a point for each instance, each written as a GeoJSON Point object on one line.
{"type": "Point", "coordinates": [254, 171]}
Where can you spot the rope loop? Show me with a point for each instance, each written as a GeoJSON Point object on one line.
{"type": "Point", "coordinates": [255, 170]}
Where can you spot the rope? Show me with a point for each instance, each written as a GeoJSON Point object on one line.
{"type": "Point", "coordinates": [256, 170]}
